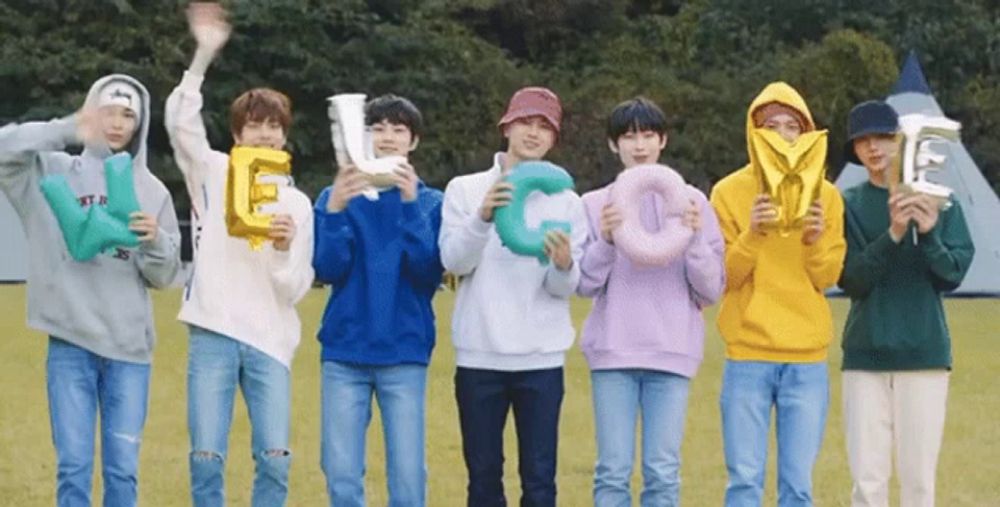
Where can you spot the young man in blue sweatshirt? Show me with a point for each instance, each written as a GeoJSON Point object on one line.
{"type": "Point", "coordinates": [381, 259]}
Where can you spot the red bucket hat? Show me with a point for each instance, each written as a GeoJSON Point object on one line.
{"type": "Point", "coordinates": [534, 101]}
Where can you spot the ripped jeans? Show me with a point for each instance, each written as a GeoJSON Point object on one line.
{"type": "Point", "coordinates": [81, 383]}
{"type": "Point", "coordinates": [218, 364]}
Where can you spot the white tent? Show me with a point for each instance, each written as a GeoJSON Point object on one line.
{"type": "Point", "coordinates": [979, 203]}
{"type": "Point", "coordinates": [14, 249]}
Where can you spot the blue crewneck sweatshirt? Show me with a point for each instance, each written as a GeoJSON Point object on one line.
{"type": "Point", "coordinates": [381, 258]}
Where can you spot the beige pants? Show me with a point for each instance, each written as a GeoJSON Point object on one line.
{"type": "Point", "coordinates": [885, 410]}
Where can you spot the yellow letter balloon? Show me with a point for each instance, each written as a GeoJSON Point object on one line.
{"type": "Point", "coordinates": [245, 194]}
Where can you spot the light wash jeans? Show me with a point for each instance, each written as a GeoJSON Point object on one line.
{"type": "Point", "coordinates": [800, 395]}
{"type": "Point", "coordinates": [619, 397]}
{"type": "Point", "coordinates": [218, 364]}
{"type": "Point", "coordinates": [347, 391]}
{"type": "Point", "coordinates": [80, 384]}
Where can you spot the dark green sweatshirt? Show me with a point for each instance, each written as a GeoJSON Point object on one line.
{"type": "Point", "coordinates": [897, 321]}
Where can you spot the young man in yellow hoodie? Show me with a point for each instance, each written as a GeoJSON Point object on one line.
{"type": "Point", "coordinates": [783, 227]}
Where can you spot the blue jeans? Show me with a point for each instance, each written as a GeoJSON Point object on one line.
{"type": "Point", "coordinates": [484, 399]}
{"type": "Point", "coordinates": [619, 395]}
{"type": "Point", "coordinates": [81, 383]}
{"type": "Point", "coordinates": [347, 391]}
{"type": "Point", "coordinates": [800, 393]}
{"type": "Point", "coordinates": [218, 364]}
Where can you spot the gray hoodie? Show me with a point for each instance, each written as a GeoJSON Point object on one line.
{"type": "Point", "coordinates": [103, 304]}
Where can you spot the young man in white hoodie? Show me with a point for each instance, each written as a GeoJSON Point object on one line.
{"type": "Point", "coordinates": [239, 303]}
{"type": "Point", "coordinates": [97, 312]}
{"type": "Point", "coordinates": [511, 325]}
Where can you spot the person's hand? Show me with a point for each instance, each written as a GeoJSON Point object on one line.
{"type": "Point", "coordinates": [88, 125]}
{"type": "Point", "coordinates": [347, 184]}
{"type": "Point", "coordinates": [900, 214]}
{"type": "Point", "coordinates": [762, 214]}
{"type": "Point", "coordinates": [925, 213]}
{"type": "Point", "coordinates": [499, 195]}
{"type": "Point", "coordinates": [692, 217]}
{"type": "Point", "coordinates": [208, 25]}
{"type": "Point", "coordinates": [557, 248]}
{"type": "Point", "coordinates": [143, 225]}
{"type": "Point", "coordinates": [814, 224]}
{"type": "Point", "coordinates": [282, 232]}
{"type": "Point", "coordinates": [611, 219]}
{"type": "Point", "coordinates": [405, 178]}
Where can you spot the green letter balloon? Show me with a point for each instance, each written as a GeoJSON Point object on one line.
{"type": "Point", "coordinates": [528, 177]}
{"type": "Point", "coordinates": [98, 229]}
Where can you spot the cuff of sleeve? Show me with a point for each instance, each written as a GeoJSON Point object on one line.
{"type": "Point", "coordinates": [603, 250]}
{"type": "Point", "coordinates": [330, 219]}
{"type": "Point", "coordinates": [884, 244]}
{"type": "Point", "coordinates": [281, 257]}
{"type": "Point", "coordinates": [411, 211]}
{"type": "Point", "coordinates": [157, 247]}
{"type": "Point", "coordinates": [191, 82]}
{"type": "Point", "coordinates": [65, 129]}
{"type": "Point", "coordinates": [931, 241]}
{"type": "Point", "coordinates": [478, 226]}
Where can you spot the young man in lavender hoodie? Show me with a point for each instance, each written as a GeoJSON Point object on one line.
{"type": "Point", "coordinates": [644, 336]}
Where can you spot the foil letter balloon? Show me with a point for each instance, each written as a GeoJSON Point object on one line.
{"type": "Point", "coordinates": [245, 194]}
{"type": "Point", "coordinates": [919, 133]}
{"type": "Point", "coordinates": [528, 177]}
{"type": "Point", "coordinates": [791, 173]}
{"type": "Point", "coordinates": [352, 141]}
{"type": "Point", "coordinates": [99, 228]}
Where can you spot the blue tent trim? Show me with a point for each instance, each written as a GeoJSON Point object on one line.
{"type": "Point", "coordinates": [911, 78]}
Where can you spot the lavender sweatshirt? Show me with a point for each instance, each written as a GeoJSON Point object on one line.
{"type": "Point", "coordinates": [649, 317]}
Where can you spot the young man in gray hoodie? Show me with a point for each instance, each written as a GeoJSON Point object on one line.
{"type": "Point", "coordinates": [97, 312]}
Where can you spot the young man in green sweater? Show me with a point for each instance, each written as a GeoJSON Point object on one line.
{"type": "Point", "coordinates": [897, 352]}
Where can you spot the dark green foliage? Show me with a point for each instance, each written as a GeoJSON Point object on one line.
{"type": "Point", "coordinates": [459, 61]}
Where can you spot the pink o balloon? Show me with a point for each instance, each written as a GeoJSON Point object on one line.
{"type": "Point", "coordinates": [639, 245]}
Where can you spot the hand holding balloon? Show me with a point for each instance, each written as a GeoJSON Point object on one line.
{"type": "Point", "coordinates": [813, 224]}
{"type": "Point", "coordinates": [763, 214]}
{"type": "Point", "coordinates": [405, 179]}
{"type": "Point", "coordinates": [611, 219]}
{"type": "Point", "coordinates": [557, 248]}
{"type": "Point", "coordinates": [282, 232]}
{"type": "Point", "coordinates": [498, 196]}
{"type": "Point", "coordinates": [144, 225]}
{"type": "Point", "coordinates": [348, 184]}
{"type": "Point", "coordinates": [692, 217]}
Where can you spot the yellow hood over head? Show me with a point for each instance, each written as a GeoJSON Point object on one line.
{"type": "Point", "coordinates": [791, 173]}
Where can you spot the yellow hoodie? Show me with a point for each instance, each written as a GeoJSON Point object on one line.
{"type": "Point", "coordinates": [773, 308]}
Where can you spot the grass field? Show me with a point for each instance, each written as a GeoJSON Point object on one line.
{"type": "Point", "coordinates": [967, 474]}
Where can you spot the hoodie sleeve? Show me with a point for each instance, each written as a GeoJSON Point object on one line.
{"type": "Point", "coordinates": [704, 258]}
{"type": "Point", "coordinates": [598, 255]}
{"type": "Point", "coordinates": [561, 283]}
{"type": "Point", "coordinates": [742, 246]}
{"type": "Point", "coordinates": [188, 137]}
{"type": "Point", "coordinates": [160, 260]}
{"type": "Point", "coordinates": [291, 270]}
{"type": "Point", "coordinates": [421, 223]}
{"type": "Point", "coordinates": [21, 144]}
{"type": "Point", "coordinates": [825, 258]}
{"type": "Point", "coordinates": [463, 233]}
{"type": "Point", "coordinates": [333, 252]}
{"type": "Point", "coordinates": [948, 249]}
